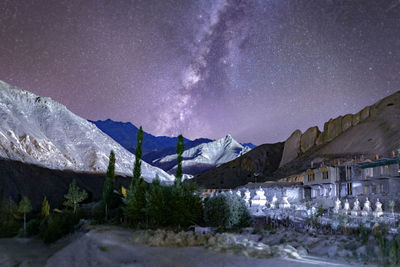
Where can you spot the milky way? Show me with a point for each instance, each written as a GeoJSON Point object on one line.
{"type": "Point", "coordinates": [255, 69]}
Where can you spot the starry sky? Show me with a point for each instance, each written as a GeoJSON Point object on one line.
{"type": "Point", "coordinates": [255, 69]}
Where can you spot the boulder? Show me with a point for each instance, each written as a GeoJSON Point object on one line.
{"type": "Point", "coordinates": [334, 128]}
{"type": "Point", "coordinates": [364, 114]}
{"type": "Point", "coordinates": [309, 138]}
{"type": "Point", "coordinates": [322, 138]}
{"type": "Point", "coordinates": [347, 122]}
{"type": "Point", "coordinates": [356, 119]}
{"type": "Point", "coordinates": [291, 149]}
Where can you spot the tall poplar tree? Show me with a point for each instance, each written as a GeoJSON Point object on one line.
{"type": "Point", "coordinates": [109, 183]}
{"type": "Point", "coordinates": [180, 147]}
{"type": "Point", "coordinates": [135, 197]}
{"type": "Point", "coordinates": [138, 155]}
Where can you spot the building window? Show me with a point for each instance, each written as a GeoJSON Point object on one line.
{"type": "Point", "coordinates": [380, 189]}
{"type": "Point", "coordinates": [374, 189]}
{"type": "Point", "coordinates": [349, 189]}
{"type": "Point", "coordinates": [311, 177]}
{"type": "Point", "coordinates": [365, 189]}
{"type": "Point", "coordinates": [325, 175]}
{"type": "Point", "coordinates": [348, 173]}
{"type": "Point", "coordinates": [369, 172]}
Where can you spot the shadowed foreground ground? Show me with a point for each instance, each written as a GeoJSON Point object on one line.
{"type": "Point", "coordinates": [111, 247]}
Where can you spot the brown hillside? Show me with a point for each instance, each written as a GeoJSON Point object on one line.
{"type": "Point", "coordinates": [263, 160]}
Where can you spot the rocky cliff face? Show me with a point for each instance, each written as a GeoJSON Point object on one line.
{"type": "Point", "coordinates": [371, 119]}
{"type": "Point", "coordinates": [292, 147]}
{"type": "Point", "coordinates": [309, 139]}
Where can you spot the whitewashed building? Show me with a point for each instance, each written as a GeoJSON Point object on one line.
{"type": "Point", "coordinates": [321, 182]}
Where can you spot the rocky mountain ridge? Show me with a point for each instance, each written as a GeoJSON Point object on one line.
{"type": "Point", "coordinates": [41, 131]}
{"type": "Point", "coordinates": [204, 156]}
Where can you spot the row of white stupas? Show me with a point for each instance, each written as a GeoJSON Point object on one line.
{"type": "Point", "coordinates": [259, 200]}
{"type": "Point", "coordinates": [356, 211]}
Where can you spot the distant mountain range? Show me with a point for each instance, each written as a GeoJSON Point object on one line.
{"type": "Point", "coordinates": [40, 131]}
{"type": "Point", "coordinates": [160, 150]}
{"type": "Point", "coordinates": [125, 134]}
{"type": "Point", "coordinates": [204, 156]}
{"type": "Point", "coordinates": [375, 130]}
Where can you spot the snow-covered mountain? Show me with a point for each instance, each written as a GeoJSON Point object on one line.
{"type": "Point", "coordinates": [41, 131]}
{"type": "Point", "coordinates": [204, 156]}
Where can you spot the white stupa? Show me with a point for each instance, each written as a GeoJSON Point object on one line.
{"type": "Point", "coordinates": [238, 193]}
{"type": "Point", "coordinates": [259, 199]}
{"type": "Point", "coordinates": [338, 206]}
{"type": "Point", "coordinates": [356, 208]}
{"type": "Point", "coordinates": [366, 208]}
{"type": "Point", "coordinates": [247, 197]}
{"type": "Point", "coordinates": [378, 210]}
{"type": "Point", "coordinates": [346, 206]}
{"type": "Point", "coordinates": [285, 203]}
{"type": "Point", "coordinates": [273, 202]}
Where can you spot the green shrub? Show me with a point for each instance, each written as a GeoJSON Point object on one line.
{"type": "Point", "coordinates": [174, 206]}
{"type": "Point", "coordinates": [185, 205]}
{"type": "Point", "coordinates": [364, 233]}
{"type": "Point", "coordinates": [33, 227]}
{"type": "Point", "coordinates": [56, 225]}
{"type": "Point", "coordinates": [135, 203]}
{"type": "Point", "coordinates": [227, 211]}
{"type": "Point", "coordinates": [9, 218]}
{"type": "Point", "coordinates": [98, 212]}
{"type": "Point", "coordinates": [157, 205]}
{"type": "Point", "coordinates": [393, 253]}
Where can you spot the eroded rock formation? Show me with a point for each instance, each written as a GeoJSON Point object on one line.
{"type": "Point", "coordinates": [292, 148]}
{"type": "Point", "coordinates": [309, 139]}
{"type": "Point", "coordinates": [299, 143]}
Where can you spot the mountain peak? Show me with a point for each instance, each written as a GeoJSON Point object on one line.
{"type": "Point", "coordinates": [204, 156]}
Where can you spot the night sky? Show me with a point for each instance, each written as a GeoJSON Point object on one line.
{"type": "Point", "coordinates": [255, 69]}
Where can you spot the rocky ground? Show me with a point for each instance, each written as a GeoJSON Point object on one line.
{"type": "Point", "coordinates": [112, 246]}
{"type": "Point", "coordinates": [334, 246]}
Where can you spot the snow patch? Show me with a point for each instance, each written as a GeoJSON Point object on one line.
{"type": "Point", "coordinates": [213, 153]}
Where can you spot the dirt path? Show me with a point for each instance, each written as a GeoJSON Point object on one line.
{"type": "Point", "coordinates": [111, 247]}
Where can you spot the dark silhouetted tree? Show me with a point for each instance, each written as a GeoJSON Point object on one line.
{"type": "Point", "coordinates": [138, 154]}
{"type": "Point", "coordinates": [109, 184]}
{"type": "Point", "coordinates": [180, 147]}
